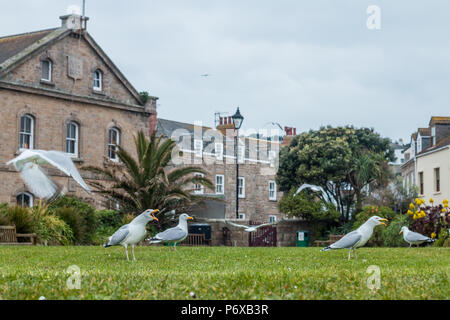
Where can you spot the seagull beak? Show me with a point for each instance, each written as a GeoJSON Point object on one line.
{"type": "Point", "coordinates": [190, 218]}
{"type": "Point", "coordinates": [400, 232]}
{"type": "Point", "coordinates": [383, 222]}
{"type": "Point", "coordinates": [155, 211]}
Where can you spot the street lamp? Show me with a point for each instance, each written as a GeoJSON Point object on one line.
{"type": "Point", "coordinates": [237, 122]}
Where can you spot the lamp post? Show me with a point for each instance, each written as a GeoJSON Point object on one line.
{"type": "Point", "coordinates": [237, 122]}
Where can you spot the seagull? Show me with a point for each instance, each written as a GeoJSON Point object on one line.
{"type": "Point", "coordinates": [357, 238]}
{"type": "Point", "coordinates": [205, 75]}
{"type": "Point", "coordinates": [308, 186]}
{"type": "Point", "coordinates": [132, 233]}
{"type": "Point", "coordinates": [29, 162]}
{"type": "Point", "coordinates": [414, 237]}
{"type": "Point", "coordinates": [251, 228]}
{"type": "Point", "coordinates": [174, 235]}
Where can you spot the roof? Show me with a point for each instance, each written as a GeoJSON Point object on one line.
{"type": "Point", "coordinates": [439, 120]}
{"type": "Point", "coordinates": [443, 143]}
{"type": "Point", "coordinates": [167, 127]}
{"type": "Point", "coordinates": [414, 136]}
{"type": "Point", "coordinates": [425, 132]}
{"type": "Point", "coordinates": [12, 45]}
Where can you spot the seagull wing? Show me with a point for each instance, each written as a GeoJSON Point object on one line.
{"type": "Point", "coordinates": [25, 157]}
{"type": "Point", "coordinates": [237, 225]}
{"type": "Point", "coordinates": [415, 237]}
{"type": "Point", "coordinates": [172, 234]}
{"type": "Point", "coordinates": [267, 224]}
{"type": "Point", "coordinates": [348, 241]}
{"type": "Point", "coordinates": [119, 236]}
{"type": "Point", "coordinates": [64, 163]}
{"type": "Point", "coordinates": [37, 181]}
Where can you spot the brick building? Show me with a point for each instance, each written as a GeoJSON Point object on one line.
{"type": "Point", "coordinates": [60, 91]}
{"type": "Point", "coordinates": [213, 150]}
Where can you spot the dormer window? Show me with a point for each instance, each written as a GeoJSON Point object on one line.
{"type": "Point", "coordinates": [433, 135]}
{"type": "Point", "coordinates": [98, 79]}
{"type": "Point", "coordinates": [46, 70]}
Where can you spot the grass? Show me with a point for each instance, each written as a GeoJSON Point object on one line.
{"type": "Point", "coordinates": [223, 273]}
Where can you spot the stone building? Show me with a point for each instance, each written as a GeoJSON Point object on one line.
{"type": "Point", "coordinates": [60, 91]}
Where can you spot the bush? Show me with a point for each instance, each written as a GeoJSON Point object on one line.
{"type": "Point", "coordinates": [85, 211]}
{"type": "Point", "coordinates": [75, 221]}
{"type": "Point", "coordinates": [21, 218]}
{"type": "Point", "coordinates": [108, 221]}
{"type": "Point", "coordinates": [368, 212]}
{"type": "Point", "coordinates": [4, 218]}
{"type": "Point", "coordinates": [390, 235]}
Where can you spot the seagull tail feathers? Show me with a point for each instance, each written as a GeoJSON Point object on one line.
{"type": "Point", "coordinates": [154, 240]}
{"type": "Point", "coordinates": [106, 245]}
{"type": "Point", "coordinates": [327, 249]}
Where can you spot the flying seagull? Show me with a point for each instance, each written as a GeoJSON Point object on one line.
{"type": "Point", "coordinates": [173, 235]}
{"type": "Point", "coordinates": [205, 75]}
{"type": "Point", "coordinates": [251, 228]}
{"type": "Point", "coordinates": [357, 238]}
{"type": "Point", "coordinates": [29, 162]}
{"type": "Point", "coordinates": [413, 237]}
{"type": "Point", "coordinates": [132, 233]}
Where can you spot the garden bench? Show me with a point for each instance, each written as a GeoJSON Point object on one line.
{"type": "Point", "coordinates": [8, 236]}
{"type": "Point", "coordinates": [195, 240]}
{"type": "Point", "coordinates": [325, 243]}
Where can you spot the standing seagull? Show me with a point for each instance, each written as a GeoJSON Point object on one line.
{"type": "Point", "coordinates": [132, 233]}
{"type": "Point", "coordinates": [29, 162]}
{"type": "Point", "coordinates": [251, 228]}
{"type": "Point", "coordinates": [413, 237]}
{"type": "Point", "coordinates": [357, 238]}
{"type": "Point", "coordinates": [174, 235]}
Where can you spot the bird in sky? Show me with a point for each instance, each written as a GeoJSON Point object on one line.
{"type": "Point", "coordinates": [357, 238]}
{"type": "Point", "coordinates": [29, 164]}
{"type": "Point", "coordinates": [132, 233]}
{"type": "Point", "coordinates": [174, 235]}
{"type": "Point", "coordinates": [414, 238]}
{"type": "Point", "coordinates": [251, 228]}
{"type": "Point", "coordinates": [206, 75]}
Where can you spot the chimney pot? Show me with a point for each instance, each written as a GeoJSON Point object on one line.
{"type": "Point", "coordinates": [74, 21]}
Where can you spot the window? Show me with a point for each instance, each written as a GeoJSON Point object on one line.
{"type": "Point", "coordinates": [219, 151]}
{"type": "Point", "coordinates": [198, 188]}
{"type": "Point", "coordinates": [241, 216]}
{"type": "Point", "coordinates": [437, 180]}
{"type": "Point", "coordinates": [220, 184]}
{"type": "Point", "coordinates": [272, 219]}
{"type": "Point", "coordinates": [272, 191]}
{"type": "Point", "coordinates": [25, 200]}
{"type": "Point", "coordinates": [26, 135]}
{"type": "Point", "coordinates": [98, 80]}
{"type": "Point", "coordinates": [421, 187]}
{"type": "Point", "coordinates": [113, 144]}
{"type": "Point", "coordinates": [46, 70]}
{"type": "Point", "coordinates": [433, 135]}
{"type": "Point", "coordinates": [72, 139]}
{"type": "Point", "coordinates": [241, 187]}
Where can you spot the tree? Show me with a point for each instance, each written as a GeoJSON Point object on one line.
{"type": "Point", "coordinates": [342, 160]}
{"type": "Point", "coordinates": [148, 182]}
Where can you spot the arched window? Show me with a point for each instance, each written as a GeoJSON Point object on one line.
{"type": "Point", "coordinates": [72, 137]}
{"type": "Point", "coordinates": [113, 144]}
{"type": "Point", "coordinates": [46, 70]}
{"type": "Point", "coordinates": [25, 200]}
{"type": "Point", "coordinates": [98, 80]}
{"type": "Point", "coordinates": [26, 134]}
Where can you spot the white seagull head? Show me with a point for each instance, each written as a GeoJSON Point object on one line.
{"type": "Point", "coordinates": [150, 214]}
{"type": "Point", "coordinates": [185, 217]}
{"type": "Point", "coordinates": [404, 229]}
{"type": "Point", "coordinates": [376, 221]}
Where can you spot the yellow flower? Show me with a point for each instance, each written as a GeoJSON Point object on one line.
{"type": "Point", "coordinates": [415, 217]}
{"type": "Point", "coordinates": [412, 206]}
{"type": "Point", "coordinates": [423, 201]}
{"type": "Point", "coordinates": [418, 202]}
{"type": "Point", "coordinates": [431, 200]}
{"type": "Point", "coordinates": [410, 212]}
{"type": "Point", "coordinates": [445, 201]}
{"type": "Point", "coordinates": [446, 205]}
{"type": "Point", "coordinates": [433, 235]}
{"type": "Point", "coordinates": [443, 210]}
{"type": "Point", "coordinates": [423, 214]}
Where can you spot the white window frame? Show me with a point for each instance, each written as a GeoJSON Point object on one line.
{"type": "Point", "coordinates": [272, 218]}
{"type": "Point", "coordinates": [72, 139]}
{"type": "Point", "coordinates": [198, 188]}
{"type": "Point", "coordinates": [241, 216]}
{"type": "Point", "coordinates": [23, 194]}
{"type": "Point", "coordinates": [219, 151]}
{"type": "Point", "coordinates": [50, 69]}
{"type": "Point", "coordinates": [241, 187]}
{"type": "Point", "coordinates": [272, 189]}
{"type": "Point", "coordinates": [114, 144]}
{"type": "Point", "coordinates": [98, 80]}
{"type": "Point", "coordinates": [24, 133]}
{"type": "Point", "coordinates": [222, 185]}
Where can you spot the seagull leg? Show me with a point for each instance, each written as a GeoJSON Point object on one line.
{"type": "Point", "coordinates": [126, 252]}
{"type": "Point", "coordinates": [354, 253]}
{"type": "Point", "coordinates": [132, 250]}
{"type": "Point", "coordinates": [175, 247]}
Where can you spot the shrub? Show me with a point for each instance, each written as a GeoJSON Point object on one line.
{"type": "Point", "coordinates": [85, 211]}
{"type": "Point", "coordinates": [21, 218]}
{"type": "Point", "coordinates": [75, 221]}
{"type": "Point", "coordinates": [368, 212]}
{"type": "Point", "coordinates": [4, 218]}
{"type": "Point", "coordinates": [108, 223]}
{"type": "Point", "coordinates": [390, 235]}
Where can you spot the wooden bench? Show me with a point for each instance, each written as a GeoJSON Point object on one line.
{"type": "Point", "coordinates": [325, 243]}
{"type": "Point", "coordinates": [8, 236]}
{"type": "Point", "coordinates": [194, 240]}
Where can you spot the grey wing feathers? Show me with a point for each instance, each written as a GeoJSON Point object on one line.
{"type": "Point", "coordinates": [119, 236]}
{"type": "Point", "coordinates": [236, 225]}
{"type": "Point", "coordinates": [172, 234]}
{"type": "Point", "coordinates": [347, 241]}
{"type": "Point", "coordinates": [414, 236]}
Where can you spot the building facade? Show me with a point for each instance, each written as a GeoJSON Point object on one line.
{"type": "Point", "coordinates": [60, 91]}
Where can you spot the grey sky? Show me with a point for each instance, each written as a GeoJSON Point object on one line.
{"type": "Point", "coordinates": [299, 63]}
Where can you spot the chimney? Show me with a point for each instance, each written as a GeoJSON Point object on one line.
{"type": "Point", "coordinates": [74, 21]}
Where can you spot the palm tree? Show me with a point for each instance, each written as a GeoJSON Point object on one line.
{"type": "Point", "coordinates": [149, 182]}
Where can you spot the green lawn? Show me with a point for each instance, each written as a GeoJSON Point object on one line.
{"type": "Point", "coordinates": [223, 273]}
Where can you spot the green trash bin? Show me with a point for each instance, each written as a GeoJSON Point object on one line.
{"type": "Point", "coordinates": [302, 238]}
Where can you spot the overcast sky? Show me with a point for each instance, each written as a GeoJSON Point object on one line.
{"type": "Point", "coordinates": [299, 63]}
